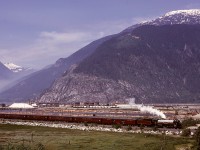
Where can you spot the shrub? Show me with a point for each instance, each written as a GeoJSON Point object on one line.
{"type": "Point", "coordinates": [128, 128]}
{"type": "Point", "coordinates": [141, 127]}
{"type": "Point", "coordinates": [23, 147]}
{"type": "Point", "coordinates": [85, 123]}
{"type": "Point", "coordinates": [155, 128]}
{"type": "Point", "coordinates": [189, 122]}
{"type": "Point", "coordinates": [197, 138]}
{"type": "Point", "coordinates": [186, 132]}
{"type": "Point", "coordinates": [117, 126]}
{"type": "Point", "coordinates": [40, 146]}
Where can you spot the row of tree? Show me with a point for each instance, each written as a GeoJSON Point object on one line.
{"type": "Point", "coordinates": [187, 132]}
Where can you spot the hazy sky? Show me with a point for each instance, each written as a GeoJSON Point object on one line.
{"type": "Point", "coordinates": [36, 33]}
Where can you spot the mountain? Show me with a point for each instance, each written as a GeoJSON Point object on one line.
{"type": "Point", "coordinates": [154, 64]}
{"type": "Point", "coordinates": [5, 73]}
{"type": "Point", "coordinates": [33, 85]}
{"type": "Point", "coordinates": [191, 16]}
{"type": "Point", "coordinates": [18, 71]}
{"type": "Point", "coordinates": [15, 68]}
{"type": "Point", "coordinates": [11, 73]}
{"type": "Point", "coordinates": [5, 76]}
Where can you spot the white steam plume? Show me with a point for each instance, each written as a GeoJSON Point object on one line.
{"type": "Point", "coordinates": [152, 110]}
{"type": "Point", "coordinates": [148, 109]}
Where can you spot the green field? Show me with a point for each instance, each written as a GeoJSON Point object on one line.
{"type": "Point", "coordinates": [27, 137]}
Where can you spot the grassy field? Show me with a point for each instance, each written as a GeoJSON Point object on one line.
{"type": "Point", "coordinates": [27, 137]}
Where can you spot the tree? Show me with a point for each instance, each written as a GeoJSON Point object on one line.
{"type": "Point", "coordinates": [189, 122]}
{"type": "Point", "coordinates": [117, 126]}
{"type": "Point", "coordinates": [155, 128]}
{"type": "Point", "coordinates": [85, 124]}
{"type": "Point", "coordinates": [141, 127]}
{"type": "Point", "coordinates": [186, 132]}
{"type": "Point", "coordinates": [128, 128]}
{"type": "Point", "coordinates": [176, 112]}
{"type": "Point", "coordinates": [197, 138]}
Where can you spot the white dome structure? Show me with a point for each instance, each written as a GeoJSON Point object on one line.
{"type": "Point", "coordinates": [20, 106]}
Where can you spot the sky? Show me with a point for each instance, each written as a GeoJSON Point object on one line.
{"type": "Point", "coordinates": [36, 33]}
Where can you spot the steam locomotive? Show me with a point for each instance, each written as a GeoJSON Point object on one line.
{"type": "Point", "coordinates": [147, 122]}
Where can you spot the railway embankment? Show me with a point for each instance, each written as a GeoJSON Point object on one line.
{"type": "Point", "coordinates": [92, 127]}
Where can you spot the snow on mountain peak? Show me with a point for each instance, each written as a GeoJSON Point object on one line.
{"type": "Point", "coordinates": [192, 12]}
{"type": "Point", "coordinates": [13, 67]}
{"type": "Point", "coordinates": [190, 16]}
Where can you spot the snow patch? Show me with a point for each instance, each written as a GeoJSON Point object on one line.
{"type": "Point", "coordinates": [192, 12]}
{"type": "Point", "coordinates": [15, 68]}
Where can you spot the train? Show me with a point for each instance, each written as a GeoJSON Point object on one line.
{"type": "Point", "coordinates": [145, 122]}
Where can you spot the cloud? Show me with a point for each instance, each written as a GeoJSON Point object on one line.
{"type": "Point", "coordinates": [113, 27]}
{"type": "Point", "coordinates": [56, 38]}
{"type": "Point", "coordinates": [48, 46]}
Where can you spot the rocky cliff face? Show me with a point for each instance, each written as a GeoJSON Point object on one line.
{"type": "Point", "coordinates": [74, 87]}
{"type": "Point", "coordinates": [152, 63]}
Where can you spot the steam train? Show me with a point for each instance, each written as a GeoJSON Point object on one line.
{"type": "Point", "coordinates": [146, 122]}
